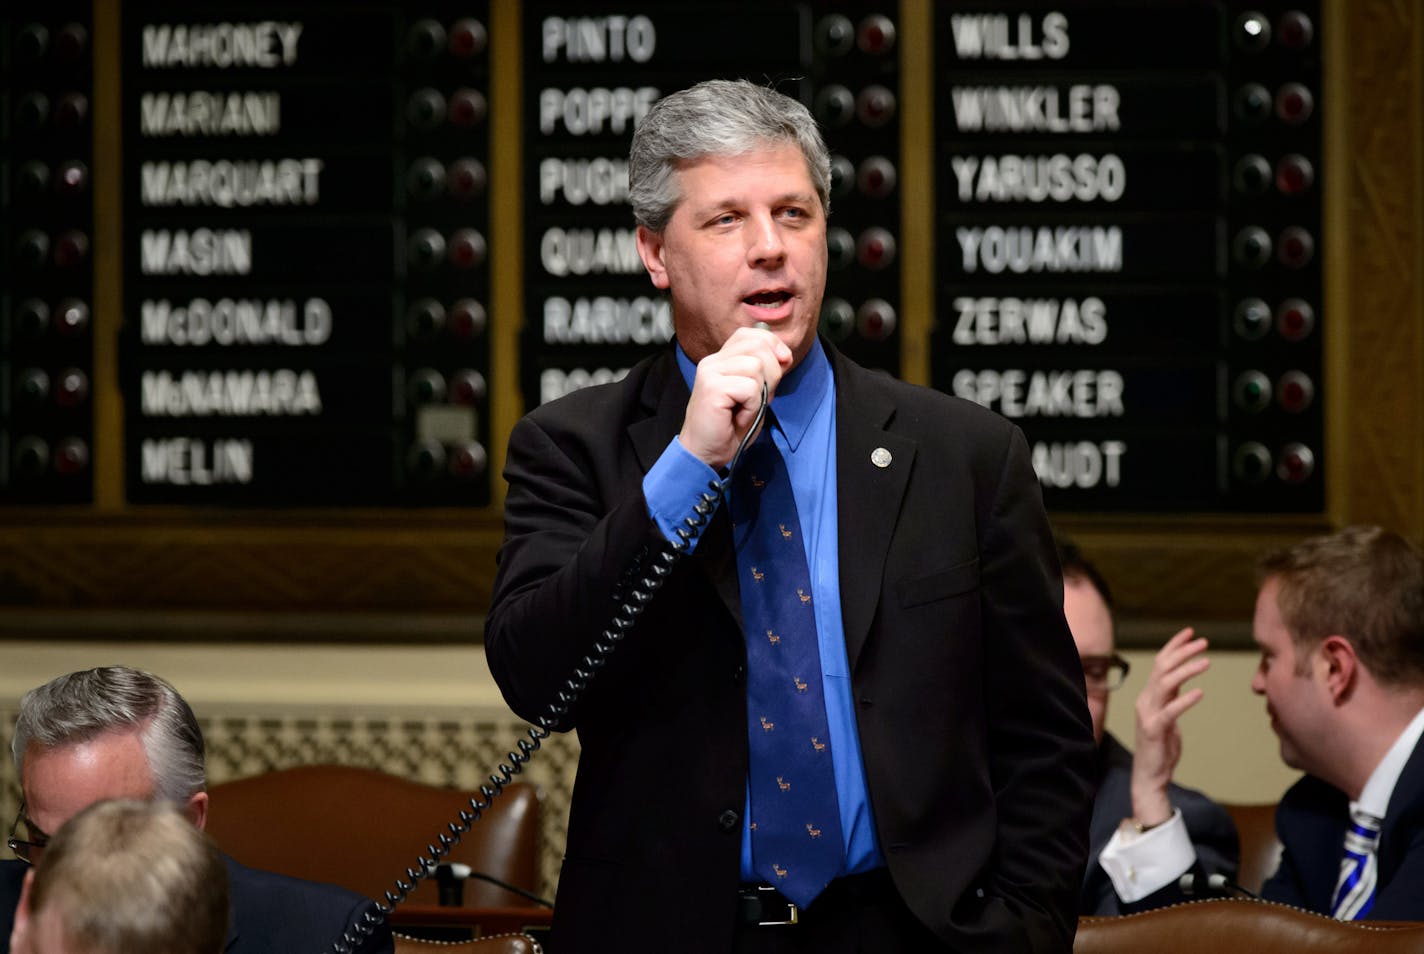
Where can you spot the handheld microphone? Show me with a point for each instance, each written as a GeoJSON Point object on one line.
{"type": "Point", "coordinates": [1214, 885]}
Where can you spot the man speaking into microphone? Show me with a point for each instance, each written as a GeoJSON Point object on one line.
{"type": "Point", "coordinates": [853, 718]}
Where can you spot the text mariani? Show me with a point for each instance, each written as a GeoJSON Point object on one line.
{"type": "Point", "coordinates": [202, 113]}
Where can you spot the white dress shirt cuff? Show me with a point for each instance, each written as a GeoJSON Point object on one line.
{"type": "Point", "coordinates": [1139, 864]}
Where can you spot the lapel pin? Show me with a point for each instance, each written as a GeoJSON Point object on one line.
{"type": "Point", "coordinates": [880, 457]}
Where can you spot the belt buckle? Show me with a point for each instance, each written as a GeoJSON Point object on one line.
{"type": "Point", "coordinates": [793, 913]}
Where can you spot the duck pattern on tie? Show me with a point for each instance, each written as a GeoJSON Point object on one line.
{"type": "Point", "coordinates": [796, 831]}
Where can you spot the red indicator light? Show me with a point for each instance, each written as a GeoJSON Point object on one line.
{"type": "Point", "coordinates": [71, 43]}
{"type": "Point", "coordinates": [1297, 247]}
{"type": "Point", "coordinates": [1294, 103]}
{"type": "Point", "coordinates": [1294, 174]}
{"type": "Point", "coordinates": [467, 178]}
{"type": "Point", "coordinates": [875, 249]}
{"type": "Point", "coordinates": [467, 318]}
{"type": "Point", "coordinates": [71, 249]}
{"type": "Point", "coordinates": [1295, 319]}
{"type": "Point", "coordinates": [876, 177]}
{"type": "Point", "coordinates": [468, 460]}
{"type": "Point", "coordinates": [1296, 464]}
{"type": "Point", "coordinates": [1295, 30]}
{"type": "Point", "coordinates": [875, 319]}
{"type": "Point", "coordinates": [73, 178]}
{"type": "Point", "coordinates": [72, 110]}
{"type": "Point", "coordinates": [71, 457]}
{"type": "Point", "coordinates": [1295, 392]}
{"type": "Point", "coordinates": [468, 38]}
{"type": "Point", "coordinates": [468, 108]}
{"type": "Point", "coordinates": [875, 105]}
{"type": "Point", "coordinates": [876, 35]}
{"type": "Point", "coordinates": [467, 249]}
{"type": "Point", "coordinates": [467, 387]}
{"type": "Point", "coordinates": [72, 388]}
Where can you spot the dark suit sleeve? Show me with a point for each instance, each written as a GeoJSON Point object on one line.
{"type": "Point", "coordinates": [1040, 736]}
{"type": "Point", "coordinates": [566, 555]}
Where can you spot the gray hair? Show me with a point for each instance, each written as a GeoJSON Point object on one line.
{"type": "Point", "coordinates": [80, 706]}
{"type": "Point", "coordinates": [715, 118]}
{"type": "Point", "coordinates": [127, 877]}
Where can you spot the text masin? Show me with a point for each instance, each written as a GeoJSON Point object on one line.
{"type": "Point", "coordinates": [198, 113]}
{"type": "Point", "coordinates": [1014, 392]}
{"type": "Point", "coordinates": [607, 320]}
{"type": "Point", "coordinates": [594, 112]}
{"type": "Point", "coordinates": [590, 252]}
{"type": "Point", "coordinates": [226, 322]}
{"type": "Point", "coordinates": [1079, 464]}
{"type": "Point", "coordinates": [1022, 250]}
{"type": "Point", "coordinates": [199, 252]}
{"type": "Point", "coordinates": [192, 462]}
{"type": "Point", "coordinates": [280, 393]}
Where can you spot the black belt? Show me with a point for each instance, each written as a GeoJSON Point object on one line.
{"type": "Point", "coordinates": [764, 906]}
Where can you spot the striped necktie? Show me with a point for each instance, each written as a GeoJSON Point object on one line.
{"type": "Point", "coordinates": [795, 813]}
{"type": "Point", "coordinates": [1359, 870]}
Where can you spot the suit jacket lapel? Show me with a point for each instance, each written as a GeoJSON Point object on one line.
{"type": "Point", "coordinates": [1404, 807]}
{"type": "Point", "coordinates": [664, 398]}
{"type": "Point", "coordinates": [868, 495]}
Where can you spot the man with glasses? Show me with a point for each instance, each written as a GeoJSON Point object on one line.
{"type": "Point", "coordinates": [117, 732]}
{"type": "Point", "coordinates": [1146, 831]}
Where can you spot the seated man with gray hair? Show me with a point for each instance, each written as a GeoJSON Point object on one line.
{"type": "Point", "coordinates": [117, 732]}
{"type": "Point", "coordinates": [124, 877]}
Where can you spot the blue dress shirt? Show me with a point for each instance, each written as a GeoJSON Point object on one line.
{"type": "Point", "coordinates": [804, 432]}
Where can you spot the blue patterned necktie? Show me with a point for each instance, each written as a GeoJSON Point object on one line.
{"type": "Point", "coordinates": [795, 814]}
{"type": "Point", "coordinates": [1359, 870]}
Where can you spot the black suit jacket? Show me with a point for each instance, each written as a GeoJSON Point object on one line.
{"type": "Point", "coordinates": [271, 913]}
{"type": "Point", "coordinates": [1310, 822]}
{"type": "Point", "coordinates": [969, 693]}
{"type": "Point", "coordinates": [1209, 826]}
